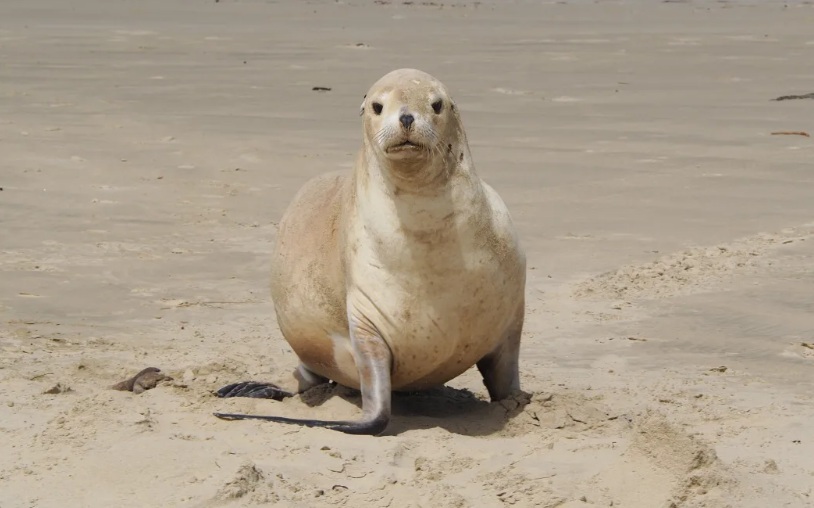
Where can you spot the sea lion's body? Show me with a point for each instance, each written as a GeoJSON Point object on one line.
{"type": "Point", "coordinates": [441, 297]}
{"type": "Point", "coordinates": [406, 271]}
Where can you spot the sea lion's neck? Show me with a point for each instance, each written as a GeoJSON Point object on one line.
{"type": "Point", "coordinates": [433, 196]}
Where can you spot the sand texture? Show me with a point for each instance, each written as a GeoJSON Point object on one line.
{"type": "Point", "coordinates": [148, 149]}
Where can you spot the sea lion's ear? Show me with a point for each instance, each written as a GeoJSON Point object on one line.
{"type": "Point", "coordinates": [362, 107]}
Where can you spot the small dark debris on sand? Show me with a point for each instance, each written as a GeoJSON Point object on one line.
{"type": "Point", "coordinates": [57, 389]}
{"type": "Point", "coordinates": [792, 97]}
{"type": "Point", "coordinates": [321, 89]}
{"type": "Point", "coordinates": [144, 380]}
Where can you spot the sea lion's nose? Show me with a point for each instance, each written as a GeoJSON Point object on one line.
{"type": "Point", "coordinates": [406, 121]}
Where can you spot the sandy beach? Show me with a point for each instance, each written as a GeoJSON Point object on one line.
{"type": "Point", "coordinates": [665, 200]}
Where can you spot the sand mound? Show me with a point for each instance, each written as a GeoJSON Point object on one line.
{"type": "Point", "coordinates": [554, 411]}
{"type": "Point", "coordinates": [692, 270]}
{"type": "Point", "coordinates": [664, 467]}
{"type": "Point", "coordinates": [693, 465]}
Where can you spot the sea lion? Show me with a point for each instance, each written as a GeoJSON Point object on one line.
{"type": "Point", "coordinates": [403, 273]}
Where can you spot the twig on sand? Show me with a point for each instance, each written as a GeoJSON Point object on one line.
{"type": "Point", "coordinates": [791, 133]}
{"type": "Point", "coordinates": [790, 97]}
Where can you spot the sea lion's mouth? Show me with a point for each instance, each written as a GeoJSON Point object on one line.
{"type": "Point", "coordinates": [406, 145]}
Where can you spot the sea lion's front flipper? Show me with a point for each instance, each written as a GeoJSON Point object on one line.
{"type": "Point", "coordinates": [500, 369]}
{"type": "Point", "coordinates": [374, 362]}
{"type": "Point", "coordinates": [366, 427]}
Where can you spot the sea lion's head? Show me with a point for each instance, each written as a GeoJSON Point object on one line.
{"type": "Point", "coordinates": [411, 123]}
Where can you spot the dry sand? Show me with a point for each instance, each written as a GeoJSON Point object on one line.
{"type": "Point", "coordinates": [147, 149]}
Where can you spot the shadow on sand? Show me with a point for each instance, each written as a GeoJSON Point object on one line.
{"type": "Point", "coordinates": [454, 410]}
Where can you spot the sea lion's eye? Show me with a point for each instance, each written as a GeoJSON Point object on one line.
{"type": "Point", "coordinates": [377, 108]}
{"type": "Point", "coordinates": [437, 105]}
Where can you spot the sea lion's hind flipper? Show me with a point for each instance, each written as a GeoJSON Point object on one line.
{"type": "Point", "coordinates": [254, 390]}
{"type": "Point", "coordinates": [370, 427]}
{"type": "Point", "coordinates": [306, 379]}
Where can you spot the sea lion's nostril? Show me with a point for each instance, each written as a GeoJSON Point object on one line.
{"type": "Point", "coordinates": [406, 120]}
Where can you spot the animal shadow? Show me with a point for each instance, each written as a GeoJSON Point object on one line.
{"type": "Point", "coordinates": [458, 411]}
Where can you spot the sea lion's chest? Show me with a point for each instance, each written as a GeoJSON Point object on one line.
{"type": "Point", "coordinates": [441, 303]}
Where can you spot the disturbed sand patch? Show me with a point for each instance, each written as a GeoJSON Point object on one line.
{"type": "Point", "coordinates": [691, 270]}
